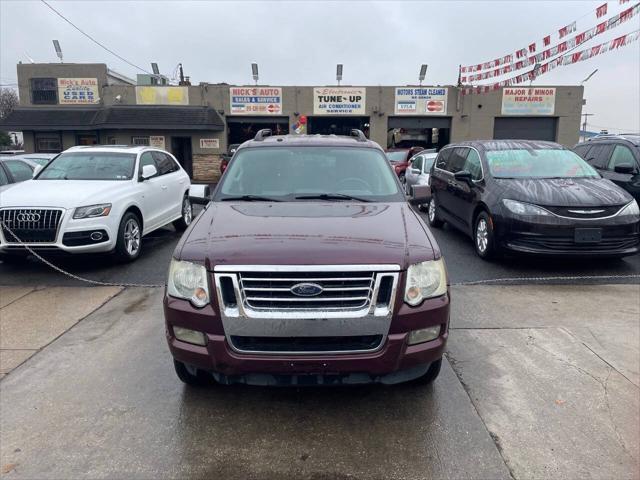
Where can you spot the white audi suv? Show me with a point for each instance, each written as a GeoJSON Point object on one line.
{"type": "Point", "coordinates": [95, 199]}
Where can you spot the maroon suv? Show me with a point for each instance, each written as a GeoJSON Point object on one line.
{"type": "Point", "coordinates": [307, 267]}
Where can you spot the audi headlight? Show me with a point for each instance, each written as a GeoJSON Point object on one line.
{"type": "Point", "coordinates": [90, 211]}
{"type": "Point", "coordinates": [188, 281]}
{"type": "Point", "coordinates": [631, 209]}
{"type": "Point", "coordinates": [425, 280]}
{"type": "Point", "coordinates": [525, 209]}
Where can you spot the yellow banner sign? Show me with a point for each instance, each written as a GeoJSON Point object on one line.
{"type": "Point", "coordinates": [162, 95]}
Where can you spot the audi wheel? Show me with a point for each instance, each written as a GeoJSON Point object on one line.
{"type": "Point", "coordinates": [129, 242]}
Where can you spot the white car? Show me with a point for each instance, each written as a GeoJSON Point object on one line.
{"type": "Point", "coordinates": [96, 199]}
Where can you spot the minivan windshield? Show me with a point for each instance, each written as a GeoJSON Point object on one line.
{"type": "Point", "coordinates": [305, 173]}
{"type": "Point", "coordinates": [90, 166]}
{"type": "Point", "coordinates": [538, 163]}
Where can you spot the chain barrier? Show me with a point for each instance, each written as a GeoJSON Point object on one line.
{"type": "Point", "coordinates": [519, 280]}
{"type": "Point", "coordinates": [69, 274]}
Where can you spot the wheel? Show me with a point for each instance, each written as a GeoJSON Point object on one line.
{"type": "Point", "coordinates": [483, 237]}
{"type": "Point", "coordinates": [402, 178]}
{"type": "Point", "coordinates": [129, 242]}
{"type": "Point", "coordinates": [432, 373]}
{"type": "Point", "coordinates": [432, 214]}
{"type": "Point", "coordinates": [187, 215]}
{"type": "Point", "coordinates": [195, 379]}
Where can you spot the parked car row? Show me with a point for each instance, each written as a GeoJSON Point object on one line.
{"type": "Point", "coordinates": [92, 199]}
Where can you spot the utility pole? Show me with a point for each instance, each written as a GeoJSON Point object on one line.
{"type": "Point", "coordinates": [584, 124]}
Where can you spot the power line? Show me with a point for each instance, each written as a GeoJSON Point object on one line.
{"type": "Point", "coordinates": [93, 39]}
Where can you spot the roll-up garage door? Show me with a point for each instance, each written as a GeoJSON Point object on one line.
{"type": "Point", "coordinates": [419, 122]}
{"type": "Point", "coordinates": [525, 128]}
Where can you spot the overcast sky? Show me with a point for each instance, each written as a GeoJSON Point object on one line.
{"type": "Point", "coordinates": [299, 43]}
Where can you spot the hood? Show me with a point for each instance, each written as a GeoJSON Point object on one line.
{"type": "Point", "coordinates": [59, 193]}
{"type": "Point", "coordinates": [565, 192]}
{"type": "Point", "coordinates": [307, 233]}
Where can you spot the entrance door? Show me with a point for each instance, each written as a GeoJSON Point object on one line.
{"type": "Point", "coordinates": [181, 149]}
{"type": "Point", "coordinates": [337, 125]}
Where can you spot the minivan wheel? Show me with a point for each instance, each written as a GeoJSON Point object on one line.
{"type": "Point", "coordinates": [187, 215]}
{"type": "Point", "coordinates": [129, 242]}
{"type": "Point", "coordinates": [432, 214]}
{"type": "Point", "coordinates": [187, 377]}
{"type": "Point", "coordinates": [483, 237]}
{"type": "Point", "coordinates": [432, 373]}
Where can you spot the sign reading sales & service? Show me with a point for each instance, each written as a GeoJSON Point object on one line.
{"type": "Point", "coordinates": [256, 100]}
{"type": "Point", "coordinates": [339, 100]}
{"type": "Point", "coordinates": [421, 101]}
{"type": "Point", "coordinates": [528, 101]}
{"type": "Point", "coordinates": [78, 91]}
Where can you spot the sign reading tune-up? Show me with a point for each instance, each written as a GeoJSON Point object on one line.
{"type": "Point", "coordinates": [256, 100]}
{"type": "Point", "coordinates": [528, 101]}
{"type": "Point", "coordinates": [339, 100]}
{"type": "Point", "coordinates": [421, 101]}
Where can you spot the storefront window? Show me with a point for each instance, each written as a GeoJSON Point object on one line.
{"type": "Point", "coordinates": [140, 141]}
{"type": "Point", "coordinates": [48, 143]}
{"type": "Point", "coordinates": [44, 91]}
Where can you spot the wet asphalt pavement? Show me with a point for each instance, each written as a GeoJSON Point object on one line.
{"type": "Point", "coordinates": [462, 262]}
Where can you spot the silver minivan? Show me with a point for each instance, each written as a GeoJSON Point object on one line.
{"type": "Point", "coordinates": [418, 170]}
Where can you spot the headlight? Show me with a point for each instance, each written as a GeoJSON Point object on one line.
{"type": "Point", "coordinates": [526, 209]}
{"type": "Point", "coordinates": [425, 280]}
{"type": "Point", "coordinates": [189, 281]}
{"type": "Point", "coordinates": [631, 209]}
{"type": "Point", "coordinates": [90, 211]}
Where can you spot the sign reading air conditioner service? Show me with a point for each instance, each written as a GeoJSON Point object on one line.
{"type": "Point", "coordinates": [78, 91]}
{"type": "Point", "coordinates": [256, 100]}
{"type": "Point", "coordinates": [528, 101]}
{"type": "Point", "coordinates": [421, 101]}
{"type": "Point", "coordinates": [162, 95]}
{"type": "Point", "coordinates": [339, 100]}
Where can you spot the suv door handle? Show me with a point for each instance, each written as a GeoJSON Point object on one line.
{"type": "Point", "coordinates": [164, 187]}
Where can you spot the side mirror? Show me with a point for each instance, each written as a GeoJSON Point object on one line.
{"type": "Point", "coordinates": [463, 176]}
{"type": "Point", "coordinates": [623, 168]}
{"type": "Point", "coordinates": [421, 195]}
{"type": "Point", "coordinates": [149, 171]}
{"type": "Point", "coordinates": [199, 194]}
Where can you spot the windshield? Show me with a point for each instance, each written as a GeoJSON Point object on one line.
{"type": "Point", "coordinates": [286, 173]}
{"type": "Point", "coordinates": [538, 163]}
{"type": "Point", "coordinates": [396, 157]}
{"type": "Point", "coordinates": [90, 166]}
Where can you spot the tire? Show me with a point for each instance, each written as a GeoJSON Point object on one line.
{"type": "Point", "coordinates": [432, 213]}
{"type": "Point", "coordinates": [483, 237]}
{"type": "Point", "coordinates": [402, 178]}
{"type": "Point", "coordinates": [185, 376]}
{"type": "Point", "coordinates": [187, 215]}
{"type": "Point", "coordinates": [431, 375]}
{"type": "Point", "coordinates": [127, 248]}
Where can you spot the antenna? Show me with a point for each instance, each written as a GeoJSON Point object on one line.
{"type": "Point", "coordinates": [339, 73]}
{"type": "Point", "coordinates": [590, 75]}
{"type": "Point", "coordinates": [423, 72]}
{"type": "Point", "coordinates": [56, 45]}
{"type": "Point", "coordinates": [254, 72]}
{"type": "Point", "coordinates": [26, 54]}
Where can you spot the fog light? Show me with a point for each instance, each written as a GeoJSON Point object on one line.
{"type": "Point", "coordinates": [189, 336]}
{"type": "Point", "coordinates": [96, 236]}
{"type": "Point", "coordinates": [424, 335]}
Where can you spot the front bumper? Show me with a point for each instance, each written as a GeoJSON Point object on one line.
{"type": "Point", "coordinates": [556, 236]}
{"type": "Point", "coordinates": [395, 361]}
{"type": "Point", "coordinates": [72, 236]}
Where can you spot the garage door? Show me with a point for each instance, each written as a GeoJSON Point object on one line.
{"type": "Point", "coordinates": [419, 122]}
{"type": "Point", "coordinates": [525, 128]}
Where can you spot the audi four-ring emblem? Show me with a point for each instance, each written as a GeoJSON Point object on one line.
{"type": "Point", "coordinates": [28, 217]}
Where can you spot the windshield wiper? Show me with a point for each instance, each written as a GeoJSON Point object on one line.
{"type": "Point", "coordinates": [249, 198]}
{"type": "Point", "coordinates": [331, 196]}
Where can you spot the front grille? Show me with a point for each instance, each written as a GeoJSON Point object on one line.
{"type": "Point", "coordinates": [569, 245]}
{"type": "Point", "coordinates": [31, 225]}
{"type": "Point", "coordinates": [306, 344]}
{"type": "Point", "coordinates": [273, 290]}
{"type": "Point", "coordinates": [585, 212]}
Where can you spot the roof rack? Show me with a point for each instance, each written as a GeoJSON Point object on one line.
{"type": "Point", "coordinates": [612, 135]}
{"type": "Point", "coordinates": [359, 134]}
{"type": "Point", "coordinates": [260, 136]}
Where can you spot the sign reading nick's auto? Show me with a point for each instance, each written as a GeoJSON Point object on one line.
{"type": "Point", "coordinates": [256, 100]}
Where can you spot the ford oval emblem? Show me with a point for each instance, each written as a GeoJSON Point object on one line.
{"type": "Point", "coordinates": [306, 289]}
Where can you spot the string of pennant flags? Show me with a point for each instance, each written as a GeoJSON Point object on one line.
{"type": "Point", "coordinates": [568, 59]}
{"type": "Point", "coordinates": [562, 47]}
{"type": "Point", "coordinates": [524, 60]}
